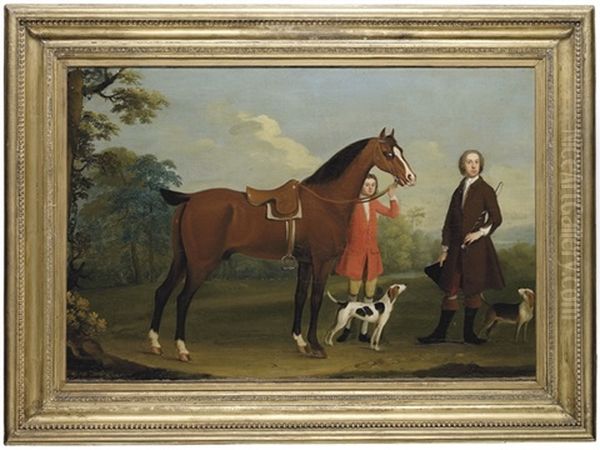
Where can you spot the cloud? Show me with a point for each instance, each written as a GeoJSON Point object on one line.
{"type": "Point", "coordinates": [239, 149]}
{"type": "Point", "coordinates": [427, 150]}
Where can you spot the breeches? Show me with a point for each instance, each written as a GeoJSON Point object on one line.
{"type": "Point", "coordinates": [355, 285]}
{"type": "Point", "coordinates": [450, 300]}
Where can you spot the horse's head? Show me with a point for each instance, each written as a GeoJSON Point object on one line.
{"type": "Point", "coordinates": [389, 157]}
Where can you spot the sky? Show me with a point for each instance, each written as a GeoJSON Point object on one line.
{"type": "Point", "coordinates": [233, 127]}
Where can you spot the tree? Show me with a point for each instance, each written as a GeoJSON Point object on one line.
{"type": "Point", "coordinates": [127, 216]}
{"type": "Point", "coordinates": [415, 215]}
{"type": "Point", "coordinates": [396, 245]}
{"type": "Point", "coordinates": [518, 262]}
{"type": "Point", "coordinates": [131, 104]}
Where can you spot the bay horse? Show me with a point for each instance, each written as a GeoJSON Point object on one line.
{"type": "Point", "coordinates": [209, 226]}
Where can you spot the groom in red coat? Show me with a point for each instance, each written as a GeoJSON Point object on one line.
{"type": "Point", "coordinates": [361, 259]}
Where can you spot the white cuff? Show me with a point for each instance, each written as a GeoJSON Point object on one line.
{"type": "Point", "coordinates": [485, 231]}
{"type": "Point", "coordinates": [444, 248]}
{"type": "Point", "coordinates": [393, 198]}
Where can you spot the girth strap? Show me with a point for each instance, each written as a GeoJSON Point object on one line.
{"type": "Point", "coordinates": [289, 262]}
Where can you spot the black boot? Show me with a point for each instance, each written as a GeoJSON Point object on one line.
{"type": "Point", "coordinates": [469, 335]}
{"type": "Point", "coordinates": [439, 334]}
{"type": "Point", "coordinates": [342, 337]}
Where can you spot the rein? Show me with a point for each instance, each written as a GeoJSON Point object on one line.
{"type": "Point", "coordinates": [340, 202]}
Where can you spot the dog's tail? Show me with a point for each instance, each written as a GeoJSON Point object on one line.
{"type": "Point", "coordinates": [334, 300]}
{"type": "Point", "coordinates": [484, 300]}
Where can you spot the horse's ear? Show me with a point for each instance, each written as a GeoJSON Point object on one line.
{"type": "Point", "coordinates": [392, 133]}
{"type": "Point", "coordinates": [382, 134]}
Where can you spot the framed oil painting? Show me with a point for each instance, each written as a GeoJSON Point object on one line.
{"type": "Point", "coordinates": [325, 224]}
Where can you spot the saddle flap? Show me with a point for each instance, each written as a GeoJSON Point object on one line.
{"type": "Point", "coordinates": [284, 199]}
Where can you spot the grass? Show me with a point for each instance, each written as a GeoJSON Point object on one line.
{"type": "Point", "coordinates": [242, 330]}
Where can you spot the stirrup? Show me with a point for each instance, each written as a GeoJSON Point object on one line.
{"type": "Point", "coordinates": [289, 262]}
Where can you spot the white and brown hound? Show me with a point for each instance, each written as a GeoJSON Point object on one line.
{"type": "Point", "coordinates": [378, 313]}
{"type": "Point", "coordinates": [518, 313]}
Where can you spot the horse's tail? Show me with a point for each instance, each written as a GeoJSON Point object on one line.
{"type": "Point", "coordinates": [174, 198]}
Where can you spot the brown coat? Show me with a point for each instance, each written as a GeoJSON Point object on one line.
{"type": "Point", "coordinates": [477, 262]}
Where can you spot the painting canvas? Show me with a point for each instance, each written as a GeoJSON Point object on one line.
{"type": "Point", "coordinates": [136, 131]}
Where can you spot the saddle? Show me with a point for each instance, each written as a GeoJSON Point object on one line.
{"type": "Point", "coordinates": [282, 203]}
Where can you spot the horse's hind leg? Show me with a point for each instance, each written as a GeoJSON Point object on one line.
{"type": "Point", "coordinates": [303, 281]}
{"type": "Point", "coordinates": [193, 281]}
{"type": "Point", "coordinates": [161, 297]}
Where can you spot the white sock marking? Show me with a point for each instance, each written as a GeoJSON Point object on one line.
{"type": "Point", "coordinates": [181, 347]}
{"type": "Point", "coordinates": [153, 336]}
{"type": "Point", "coordinates": [300, 342]}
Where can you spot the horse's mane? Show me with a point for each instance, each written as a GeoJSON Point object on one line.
{"type": "Point", "coordinates": [337, 164]}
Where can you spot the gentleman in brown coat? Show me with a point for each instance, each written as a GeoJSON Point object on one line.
{"type": "Point", "coordinates": [468, 259]}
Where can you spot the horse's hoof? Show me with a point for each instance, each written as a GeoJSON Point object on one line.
{"type": "Point", "coordinates": [318, 353]}
{"type": "Point", "coordinates": [184, 357]}
{"type": "Point", "coordinates": [156, 351]}
{"type": "Point", "coordinates": [303, 349]}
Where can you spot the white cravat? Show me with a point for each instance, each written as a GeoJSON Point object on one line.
{"type": "Point", "coordinates": [367, 207]}
{"type": "Point", "coordinates": [468, 183]}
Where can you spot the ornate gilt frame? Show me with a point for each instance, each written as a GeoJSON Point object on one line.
{"type": "Point", "coordinates": [43, 41]}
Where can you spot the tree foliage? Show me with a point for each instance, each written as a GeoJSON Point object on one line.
{"type": "Point", "coordinates": [129, 221]}
{"type": "Point", "coordinates": [518, 262]}
{"type": "Point", "coordinates": [131, 103]}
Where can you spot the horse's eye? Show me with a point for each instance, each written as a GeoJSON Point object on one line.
{"type": "Point", "coordinates": [389, 155]}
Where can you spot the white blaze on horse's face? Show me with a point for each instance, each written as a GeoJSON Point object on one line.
{"type": "Point", "coordinates": [410, 176]}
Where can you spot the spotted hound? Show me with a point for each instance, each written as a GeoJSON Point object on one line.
{"type": "Point", "coordinates": [378, 313]}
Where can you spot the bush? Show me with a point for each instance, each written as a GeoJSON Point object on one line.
{"type": "Point", "coordinates": [518, 262]}
{"type": "Point", "coordinates": [82, 322]}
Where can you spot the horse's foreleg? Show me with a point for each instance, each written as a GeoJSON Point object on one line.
{"type": "Point", "coordinates": [303, 281]}
{"type": "Point", "coordinates": [320, 274]}
{"type": "Point", "coordinates": [161, 297]}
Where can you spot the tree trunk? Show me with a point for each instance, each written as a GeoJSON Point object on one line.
{"type": "Point", "coordinates": [74, 112]}
{"type": "Point", "coordinates": [151, 256]}
{"type": "Point", "coordinates": [135, 264]}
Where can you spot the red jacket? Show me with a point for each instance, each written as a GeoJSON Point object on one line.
{"type": "Point", "coordinates": [361, 255]}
